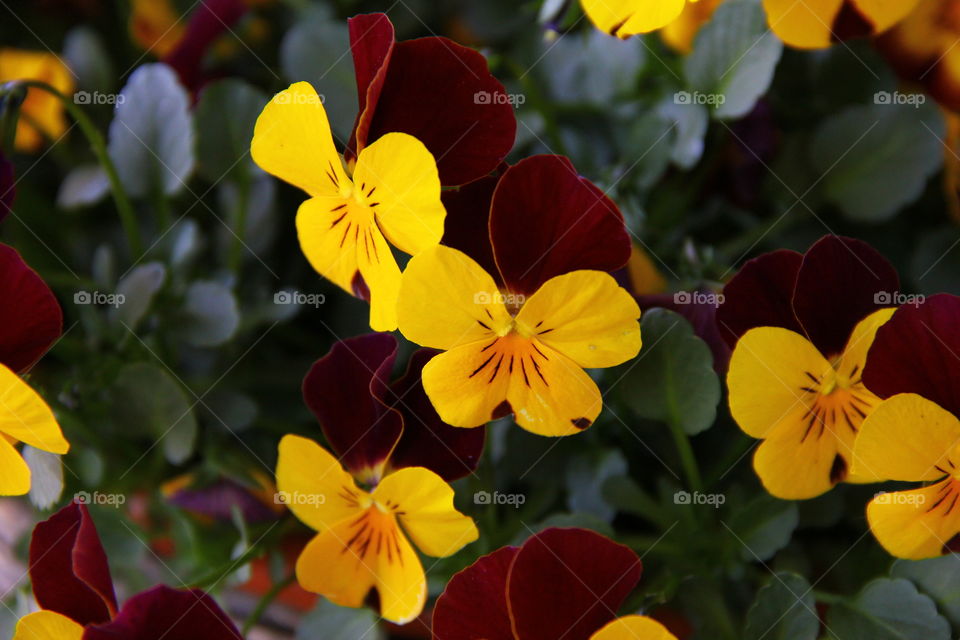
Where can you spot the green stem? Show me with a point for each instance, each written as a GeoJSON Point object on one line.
{"type": "Point", "coordinates": [264, 602]}
{"type": "Point", "coordinates": [687, 460]}
{"type": "Point", "coordinates": [828, 598]}
{"type": "Point", "coordinates": [124, 207]}
{"type": "Point", "coordinates": [214, 577]}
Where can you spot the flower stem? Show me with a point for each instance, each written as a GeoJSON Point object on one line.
{"type": "Point", "coordinates": [687, 460]}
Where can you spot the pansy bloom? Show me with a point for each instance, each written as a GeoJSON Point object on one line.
{"type": "Point", "coordinates": [800, 326]}
{"type": "Point", "coordinates": [41, 114]}
{"type": "Point", "coordinates": [72, 585]}
{"type": "Point", "coordinates": [366, 535]}
{"type": "Point", "coordinates": [420, 125]}
{"type": "Point", "coordinates": [30, 322]}
{"type": "Point", "coordinates": [561, 583]}
{"type": "Point", "coordinates": [520, 302]}
{"type": "Point", "coordinates": [914, 434]}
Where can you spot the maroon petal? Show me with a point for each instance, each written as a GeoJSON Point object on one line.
{"type": "Point", "coordinates": [567, 583]}
{"type": "Point", "coordinates": [467, 225]}
{"type": "Point", "coordinates": [443, 94]}
{"type": "Point", "coordinates": [760, 295]}
{"type": "Point", "coordinates": [371, 43]}
{"type": "Point", "coordinates": [474, 604]}
{"type": "Point", "coordinates": [841, 281]}
{"type": "Point", "coordinates": [348, 390]}
{"type": "Point", "coordinates": [210, 20]}
{"type": "Point", "coordinates": [918, 351]}
{"type": "Point", "coordinates": [68, 567]}
{"type": "Point", "coordinates": [30, 317]}
{"type": "Point", "coordinates": [7, 187]}
{"type": "Point", "coordinates": [427, 441]}
{"type": "Point", "coordinates": [163, 613]}
{"type": "Point", "coordinates": [546, 221]}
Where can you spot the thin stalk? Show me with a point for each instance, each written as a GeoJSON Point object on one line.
{"type": "Point", "coordinates": [687, 460]}
{"type": "Point", "coordinates": [265, 602]}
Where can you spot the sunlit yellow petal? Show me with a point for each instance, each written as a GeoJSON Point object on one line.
{"type": "Point", "coordinates": [446, 300]}
{"type": "Point", "coordinates": [47, 625]}
{"type": "Point", "coordinates": [907, 437]}
{"type": "Point", "coordinates": [14, 472]}
{"type": "Point", "coordinates": [328, 231]}
{"type": "Point", "coordinates": [814, 24]}
{"type": "Point", "coordinates": [42, 114]}
{"type": "Point", "coordinates": [624, 18]}
{"type": "Point", "coordinates": [633, 628]}
{"type": "Point", "coordinates": [292, 141]}
{"type": "Point", "coordinates": [314, 485]}
{"type": "Point", "coordinates": [329, 567]}
{"type": "Point", "coordinates": [423, 503]}
{"type": "Point", "coordinates": [916, 524]}
{"type": "Point", "coordinates": [466, 384]}
{"type": "Point", "coordinates": [586, 316]}
{"type": "Point", "coordinates": [26, 417]}
{"type": "Point", "coordinates": [854, 357]}
{"type": "Point", "coordinates": [397, 177]}
{"type": "Point", "coordinates": [796, 464]}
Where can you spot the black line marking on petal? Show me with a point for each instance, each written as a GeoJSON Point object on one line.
{"type": "Point", "coordinates": [481, 367]}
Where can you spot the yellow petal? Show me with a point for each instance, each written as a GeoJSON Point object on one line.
{"type": "Point", "coordinates": [292, 141]}
{"type": "Point", "coordinates": [624, 18]}
{"type": "Point", "coordinates": [633, 628]}
{"type": "Point", "coordinates": [586, 316]}
{"type": "Point", "coordinates": [314, 486]}
{"type": "Point", "coordinates": [47, 625]}
{"type": "Point", "coordinates": [155, 26]}
{"type": "Point", "coordinates": [680, 33]}
{"type": "Point", "coordinates": [815, 24]}
{"type": "Point", "coordinates": [854, 357]}
{"type": "Point", "coordinates": [44, 113]}
{"type": "Point", "coordinates": [423, 503]}
{"type": "Point", "coordinates": [397, 177]}
{"type": "Point", "coordinates": [916, 524]}
{"type": "Point", "coordinates": [467, 385]}
{"type": "Point", "coordinates": [446, 300]}
{"type": "Point", "coordinates": [794, 464]}
{"type": "Point", "coordinates": [907, 437]}
{"type": "Point", "coordinates": [25, 416]}
{"type": "Point", "coordinates": [14, 472]}
{"type": "Point", "coordinates": [361, 552]}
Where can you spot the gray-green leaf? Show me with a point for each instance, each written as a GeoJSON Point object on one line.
{"type": "Point", "coordinates": [887, 610]}
{"type": "Point", "coordinates": [783, 610]}
{"type": "Point", "coordinates": [226, 114]}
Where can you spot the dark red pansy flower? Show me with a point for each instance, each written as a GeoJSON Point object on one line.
{"type": "Point", "coordinates": [542, 220]}
{"type": "Point", "coordinates": [30, 317]}
{"type": "Point", "coordinates": [210, 20]}
{"type": "Point", "coordinates": [918, 351]}
{"type": "Point", "coordinates": [821, 294]}
{"type": "Point", "coordinates": [561, 583]}
{"type": "Point", "coordinates": [434, 89]}
{"type": "Point", "coordinates": [71, 578]}
{"type": "Point", "coordinates": [371, 423]}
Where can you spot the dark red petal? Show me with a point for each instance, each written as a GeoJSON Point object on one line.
{"type": "Point", "coordinates": [68, 567]}
{"type": "Point", "coordinates": [918, 351]}
{"type": "Point", "coordinates": [546, 221]}
{"type": "Point", "coordinates": [474, 604]}
{"type": "Point", "coordinates": [210, 20]}
{"type": "Point", "coordinates": [567, 583]}
{"type": "Point", "coordinates": [760, 295]}
{"type": "Point", "coordinates": [162, 613]}
{"type": "Point", "coordinates": [347, 390]}
{"type": "Point", "coordinates": [7, 187]}
{"type": "Point", "coordinates": [30, 317]}
{"type": "Point", "coordinates": [371, 43]}
{"type": "Point", "coordinates": [702, 316]}
{"type": "Point", "coordinates": [467, 225]}
{"type": "Point", "coordinates": [837, 287]}
{"type": "Point", "coordinates": [427, 441]}
{"type": "Point", "coordinates": [435, 90]}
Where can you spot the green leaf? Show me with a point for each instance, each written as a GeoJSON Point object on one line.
{"type": "Point", "coordinates": [784, 609]}
{"type": "Point", "coordinates": [211, 314]}
{"type": "Point", "coordinates": [887, 610]}
{"type": "Point", "coordinates": [138, 289]}
{"type": "Point", "coordinates": [332, 622]}
{"type": "Point", "coordinates": [591, 67]}
{"type": "Point", "coordinates": [585, 479]}
{"type": "Point", "coordinates": [938, 578]}
{"type": "Point", "coordinates": [763, 526]}
{"type": "Point", "coordinates": [151, 136]}
{"type": "Point", "coordinates": [226, 114]}
{"type": "Point", "coordinates": [876, 159]}
{"type": "Point", "coordinates": [46, 477]}
{"type": "Point", "coordinates": [733, 60]}
{"type": "Point", "coordinates": [147, 399]}
{"type": "Point", "coordinates": [673, 378]}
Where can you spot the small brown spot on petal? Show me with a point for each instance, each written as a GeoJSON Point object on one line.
{"type": "Point", "coordinates": [581, 423]}
{"type": "Point", "coordinates": [838, 471]}
{"type": "Point", "coordinates": [952, 546]}
{"type": "Point", "coordinates": [503, 409]}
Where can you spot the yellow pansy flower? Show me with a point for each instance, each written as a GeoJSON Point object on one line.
{"type": "Point", "coordinates": [41, 114]}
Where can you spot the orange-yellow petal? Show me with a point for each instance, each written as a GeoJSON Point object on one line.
{"type": "Point", "coordinates": [47, 625]}
{"type": "Point", "coordinates": [14, 472]}
{"type": "Point", "coordinates": [41, 114]}
{"type": "Point", "coordinates": [916, 524]}
{"type": "Point", "coordinates": [633, 628]}
{"type": "Point", "coordinates": [815, 24]}
{"type": "Point", "coordinates": [625, 18]}
{"type": "Point", "coordinates": [25, 416]}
